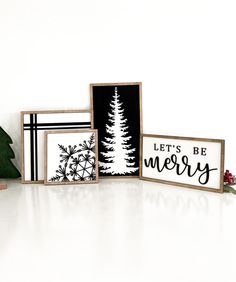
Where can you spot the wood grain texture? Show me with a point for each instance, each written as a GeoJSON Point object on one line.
{"type": "Point", "coordinates": [22, 153]}
{"type": "Point", "coordinates": [57, 111]}
{"type": "Point", "coordinates": [221, 141]}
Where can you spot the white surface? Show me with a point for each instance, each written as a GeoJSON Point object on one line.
{"type": "Point", "coordinates": [183, 51]}
{"type": "Point", "coordinates": [116, 231]}
{"type": "Point", "coordinates": [156, 147]}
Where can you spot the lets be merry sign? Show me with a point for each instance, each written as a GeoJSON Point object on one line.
{"type": "Point", "coordinates": [182, 161]}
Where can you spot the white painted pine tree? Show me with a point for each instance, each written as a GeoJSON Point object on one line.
{"type": "Point", "coordinates": [119, 159]}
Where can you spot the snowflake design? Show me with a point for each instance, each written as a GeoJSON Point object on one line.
{"type": "Point", "coordinates": [77, 163]}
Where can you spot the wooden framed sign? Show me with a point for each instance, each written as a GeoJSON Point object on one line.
{"type": "Point", "coordinates": [183, 161]}
{"type": "Point", "coordinates": [33, 126]}
{"type": "Point", "coordinates": [117, 114]}
{"type": "Point", "coordinates": [71, 157]}
{"type": "Point", "coordinates": [3, 186]}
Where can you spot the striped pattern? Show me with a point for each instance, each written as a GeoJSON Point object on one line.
{"type": "Point", "coordinates": [34, 126]}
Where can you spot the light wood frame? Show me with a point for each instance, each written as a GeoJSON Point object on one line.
{"type": "Point", "coordinates": [3, 186]}
{"type": "Point", "coordinates": [22, 113]}
{"type": "Point", "coordinates": [140, 110]}
{"type": "Point", "coordinates": [221, 141]}
{"type": "Point", "coordinates": [46, 133]}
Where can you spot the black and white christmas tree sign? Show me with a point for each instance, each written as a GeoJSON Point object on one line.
{"type": "Point", "coordinates": [116, 115]}
{"type": "Point", "coordinates": [118, 155]}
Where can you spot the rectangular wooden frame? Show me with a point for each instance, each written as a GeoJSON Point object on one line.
{"type": "Point", "coordinates": [140, 110]}
{"type": "Point", "coordinates": [46, 133]}
{"type": "Point", "coordinates": [222, 142]}
{"type": "Point", "coordinates": [3, 186]}
{"type": "Point", "coordinates": [23, 181]}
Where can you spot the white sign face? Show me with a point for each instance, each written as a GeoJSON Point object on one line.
{"type": "Point", "coordinates": [190, 162]}
{"type": "Point", "coordinates": [34, 124]}
{"type": "Point", "coordinates": [71, 157]}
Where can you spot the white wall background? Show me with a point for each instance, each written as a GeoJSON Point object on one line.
{"type": "Point", "coordinates": [183, 51]}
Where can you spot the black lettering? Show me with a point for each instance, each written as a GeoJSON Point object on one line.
{"type": "Point", "coordinates": [168, 147]}
{"type": "Point", "coordinates": [167, 162]}
{"type": "Point", "coordinates": [203, 151]}
{"type": "Point", "coordinates": [205, 175]}
{"type": "Point", "coordinates": [154, 163]}
{"type": "Point", "coordinates": [178, 149]}
{"type": "Point", "coordinates": [195, 150]}
{"type": "Point", "coordinates": [172, 163]}
{"type": "Point", "coordinates": [162, 147]}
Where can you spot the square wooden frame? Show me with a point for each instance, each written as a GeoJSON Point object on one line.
{"type": "Point", "coordinates": [140, 110]}
{"type": "Point", "coordinates": [46, 133]}
{"type": "Point", "coordinates": [221, 141]}
{"type": "Point", "coordinates": [23, 181]}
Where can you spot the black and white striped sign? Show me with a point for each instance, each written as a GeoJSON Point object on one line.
{"type": "Point", "coordinates": [34, 124]}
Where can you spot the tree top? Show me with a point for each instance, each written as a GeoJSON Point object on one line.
{"type": "Point", "coordinates": [4, 137]}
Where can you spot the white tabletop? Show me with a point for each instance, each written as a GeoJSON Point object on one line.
{"type": "Point", "coordinates": [117, 230]}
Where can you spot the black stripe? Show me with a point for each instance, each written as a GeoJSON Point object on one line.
{"type": "Point", "coordinates": [32, 146]}
{"type": "Point", "coordinates": [58, 124]}
{"type": "Point", "coordinates": [36, 148]}
{"type": "Point", "coordinates": [49, 128]}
